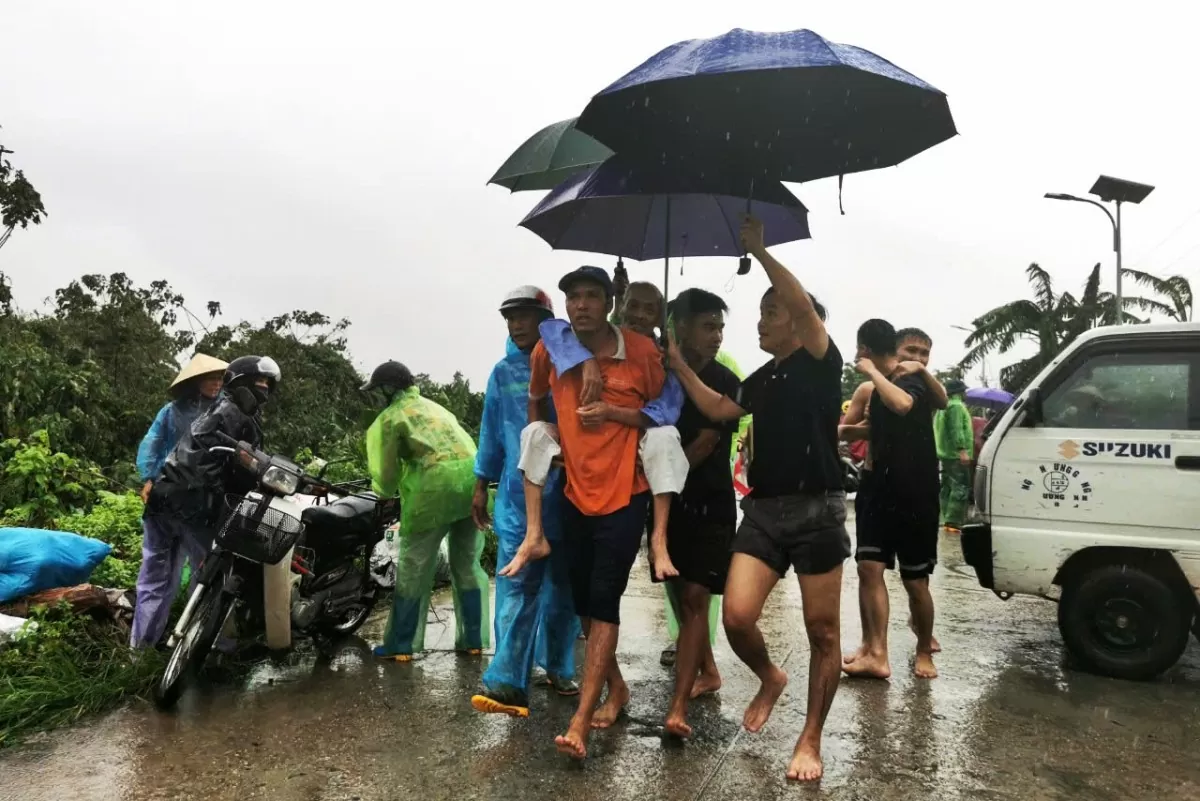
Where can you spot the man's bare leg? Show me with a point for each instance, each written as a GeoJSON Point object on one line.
{"type": "Point", "coordinates": [597, 671]}
{"type": "Point", "coordinates": [615, 702]}
{"type": "Point", "coordinates": [935, 646]}
{"type": "Point", "coordinates": [709, 679]}
{"type": "Point", "coordinates": [872, 661]}
{"type": "Point", "coordinates": [663, 568]}
{"type": "Point", "coordinates": [693, 635]}
{"type": "Point", "coordinates": [920, 602]}
{"type": "Point", "coordinates": [865, 595]}
{"type": "Point", "coordinates": [821, 596]}
{"type": "Point", "coordinates": [535, 545]}
{"type": "Point", "coordinates": [750, 582]}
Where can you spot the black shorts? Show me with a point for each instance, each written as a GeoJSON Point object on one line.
{"type": "Point", "coordinates": [866, 485]}
{"type": "Point", "coordinates": [700, 546]}
{"type": "Point", "coordinates": [602, 550]}
{"type": "Point", "coordinates": [807, 532]}
{"type": "Point", "coordinates": [899, 527]}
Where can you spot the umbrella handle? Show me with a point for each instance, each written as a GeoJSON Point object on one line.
{"type": "Point", "coordinates": [744, 261]}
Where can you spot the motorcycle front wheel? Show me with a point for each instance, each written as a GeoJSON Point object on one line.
{"type": "Point", "coordinates": [350, 621]}
{"type": "Point", "coordinates": [197, 640]}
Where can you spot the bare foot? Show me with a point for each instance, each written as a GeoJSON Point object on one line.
{"type": "Point", "coordinates": [806, 765]}
{"type": "Point", "coordinates": [677, 726]}
{"type": "Point", "coordinates": [608, 712]}
{"type": "Point", "coordinates": [573, 744]}
{"type": "Point", "coordinates": [868, 666]}
{"type": "Point", "coordinates": [855, 656]}
{"type": "Point", "coordinates": [663, 568]}
{"type": "Point", "coordinates": [706, 684]}
{"type": "Point", "coordinates": [936, 647]}
{"type": "Point", "coordinates": [531, 549]}
{"type": "Point", "coordinates": [924, 667]}
{"type": "Point", "coordinates": [764, 701]}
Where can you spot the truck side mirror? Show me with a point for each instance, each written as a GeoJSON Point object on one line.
{"type": "Point", "coordinates": [1033, 407]}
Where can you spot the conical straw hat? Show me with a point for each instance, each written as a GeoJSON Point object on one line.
{"type": "Point", "coordinates": [199, 365]}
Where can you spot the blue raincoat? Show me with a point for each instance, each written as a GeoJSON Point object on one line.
{"type": "Point", "coordinates": [536, 604]}
{"type": "Point", "coordinates": [171, 422]}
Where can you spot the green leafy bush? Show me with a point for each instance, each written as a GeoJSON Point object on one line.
{"type": "Point", "coordinates": [117, 520]}
{"type": "Point", "coordinates": [39, 484]}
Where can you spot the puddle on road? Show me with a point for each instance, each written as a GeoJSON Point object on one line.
{"type": "Point", "coordinates": [1006, 720]}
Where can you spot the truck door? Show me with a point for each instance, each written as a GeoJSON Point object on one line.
{"type": "Point", "coordinates": [1112, 459]}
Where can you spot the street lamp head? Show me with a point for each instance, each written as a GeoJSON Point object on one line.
{"type": "Point", "coordinates": [1109, 189]}
{"type": "Point", "coordinates": [1061, 196]}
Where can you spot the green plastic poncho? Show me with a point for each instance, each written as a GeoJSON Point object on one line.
{"type": "Point", "coordinates": [952, 430]}
{"type": "Point", "coordinates": [418, 450]}
{"type": "Point", "coordinates": [953, 433]}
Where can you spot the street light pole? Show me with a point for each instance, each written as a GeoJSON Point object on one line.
{"type": "Point", "coordinates": [1117, 248]}
{"type": "Point", "coordinates": [1115, 191]}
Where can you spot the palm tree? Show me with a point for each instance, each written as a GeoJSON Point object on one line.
{"type": "Point", "coordinates": [1176, 289]}
{"type": "Point", "coordinates": [1053, 320]}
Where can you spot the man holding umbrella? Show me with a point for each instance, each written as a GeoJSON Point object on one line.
{"type": "Point", "coordinates": [796, 512]}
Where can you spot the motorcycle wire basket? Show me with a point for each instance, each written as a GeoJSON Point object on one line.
{"type": "Point", "coordinates": [254, 530]}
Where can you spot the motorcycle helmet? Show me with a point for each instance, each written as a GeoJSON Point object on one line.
{"type": "Point", "coordinates": [245, 370]}
{"type": "Point", "coordinates": [528, 297]}
{"type": "Point", "coordinates": [389, 375]}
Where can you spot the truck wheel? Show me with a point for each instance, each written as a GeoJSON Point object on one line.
{"type": "Point", "coordinates": [1124, 621]}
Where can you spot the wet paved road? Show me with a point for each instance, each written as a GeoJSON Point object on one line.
{"type": "Point", "coordinates": [1006, 720]}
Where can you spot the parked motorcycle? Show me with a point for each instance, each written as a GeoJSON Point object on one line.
{"type": "Point", "coordinates": [279, 566]}
{"type": "Point", "coordinates": [851, 470]}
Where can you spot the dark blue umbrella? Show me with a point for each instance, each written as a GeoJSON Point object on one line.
{"type": "Point", "coordinates": [627, 212]}
{"type": "Point", "coordinates": [769, 106]}
{"type": "Point", "coordinates": [642, 214]}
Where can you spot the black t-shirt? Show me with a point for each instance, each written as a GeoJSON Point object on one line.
{"type": "Point", "coordinates": [709, 487]}
{"type": "Point", "coordinates": [902, 446]}
{"type": "Point", "coordinates": [796, 406]}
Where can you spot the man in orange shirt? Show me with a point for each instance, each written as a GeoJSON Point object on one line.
{"type": "Point", "coordinates": [607, 493]}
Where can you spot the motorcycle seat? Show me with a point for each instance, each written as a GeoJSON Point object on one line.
{"type": "Point", "coordinates": [342, 513]}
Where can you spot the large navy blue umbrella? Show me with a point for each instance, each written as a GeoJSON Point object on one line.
{"type": "Point", "coordinates": [641, 214]}
{"type": "Point", "coordinates": [769, 106]}
{"type": "Point", "coordinates": [627, 212]}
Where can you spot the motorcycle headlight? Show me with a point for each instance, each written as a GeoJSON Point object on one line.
{"type": "Point", "coordinates": [279, 480]}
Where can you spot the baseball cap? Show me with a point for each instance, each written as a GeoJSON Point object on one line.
{"type": "Point", "coordinates": [596, 275]}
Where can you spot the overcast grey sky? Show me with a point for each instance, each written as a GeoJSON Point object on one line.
{"type": "Point", "coordinates": [332, 157]}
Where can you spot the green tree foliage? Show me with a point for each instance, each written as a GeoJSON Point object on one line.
{"type": "Point", "coordinates": [83, 381]}
{"type": "Point", "coordinates": [850, 381]}
{"type": "Point", "coordinates": [1053, 320]}
{"type": "Point", "coordinates": [39, 484]}
{"type": "Point", "coordinates": [457, 397]}
{"type": "Point", "coordinates": [318, 405]}
{"type": "Point", "coordinates": [20, 203]}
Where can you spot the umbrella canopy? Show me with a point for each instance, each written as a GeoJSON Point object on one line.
{"type": "Point", "coordinates": [781, 106]}
{"type": "Point", "coordinates": [628, 212]}
{"type": "Point", "coordinates": [549, 157]}
{"type": "Point", "coordinates": [989, 397]}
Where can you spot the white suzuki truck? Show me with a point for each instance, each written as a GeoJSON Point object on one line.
{"type": "Point", "coordinates": [1088, 492]}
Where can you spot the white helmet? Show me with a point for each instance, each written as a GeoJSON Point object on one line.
{"type": "Point", "coordinates": [527, 297]}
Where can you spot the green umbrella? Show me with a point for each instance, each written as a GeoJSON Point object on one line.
{"type": "Point", "coordinates": [549, 157]}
